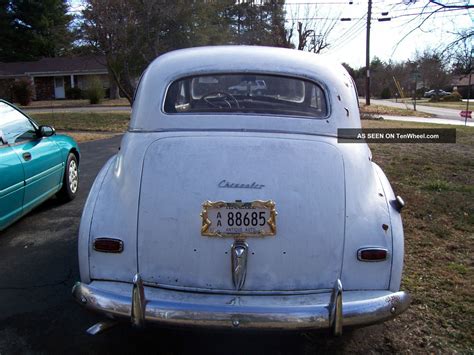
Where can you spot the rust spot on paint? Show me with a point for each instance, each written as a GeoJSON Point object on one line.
{"type": "Point", "coordinates": [393, 301]}
{"type": "Point", "coordinates": [384, 227]}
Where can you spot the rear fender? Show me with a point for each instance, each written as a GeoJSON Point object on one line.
{"type": "Point", "coordinates": [367, 224]}
{"type": "Point", "coordinates": [115, 211]}
{"type": "Point", "coordinates": [86, 220]}
{"type": "Point", "coordinates": [396, 228]}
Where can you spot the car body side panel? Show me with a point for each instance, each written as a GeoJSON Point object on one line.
{"type": "Point", "coordinates": [86, 220]}
{"type": "Point", "coordinates": [116, 211]}
{"type": "Point", "coordinates": [43, 172]}
{"type": "Point", "coordinates": [66, 144]}
{"type": "Point", "coordinates": [397, 231]}
{"type": "Point", "coordinates": [11, 186]}
{"type": "Point", "coordinates": [366, 213]}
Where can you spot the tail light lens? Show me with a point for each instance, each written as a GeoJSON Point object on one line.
{"type": "Point", "coordinates": [108, 245]}
{"type": "Point", "coordinates": [372, 254]}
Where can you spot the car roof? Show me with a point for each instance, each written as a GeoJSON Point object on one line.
{"type": "Point", "coordinates": [147, 113]}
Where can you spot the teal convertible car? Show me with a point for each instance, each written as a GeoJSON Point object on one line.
{"type": "Point", "coordinates": [35, 164]}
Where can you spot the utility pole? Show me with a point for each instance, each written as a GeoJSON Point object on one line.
{"type": "Point", "coordinates": [415, 74]}
{"type": "Point", "coordinates": [367, 55]}
{"type": "Point", "coordinates": [469, 87]}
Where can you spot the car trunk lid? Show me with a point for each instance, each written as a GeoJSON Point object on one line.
{"type": "Point", "coordinates": [303, 177]}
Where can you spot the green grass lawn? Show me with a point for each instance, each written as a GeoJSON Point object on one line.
{"type": "Point", "coordinates": [461, 106]}
{"type": "Point", "coordinates": [437, 183]}
{"type": "Point", "coordinates": [84, 121]}
{"type": "Point", "coordinates": [380, 110]}
{"type": "Point", "coordinates": [74, 103]}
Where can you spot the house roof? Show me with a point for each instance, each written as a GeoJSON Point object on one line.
{"type": "Point", "coordinates": [462, 80]}
{"type": "Point", "coordinates": [55, 66]}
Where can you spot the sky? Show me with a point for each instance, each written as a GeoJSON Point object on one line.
{"type": "Point", "coordinates": [347, 39]}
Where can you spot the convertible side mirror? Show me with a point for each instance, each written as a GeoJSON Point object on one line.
{"type": "Point", "coordinates": [47, 131]}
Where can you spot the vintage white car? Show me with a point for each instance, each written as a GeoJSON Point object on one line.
{"type": "Point", "coordinates": [237, 211]}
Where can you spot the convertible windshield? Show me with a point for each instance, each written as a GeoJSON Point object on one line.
{"type": "Point", "coordinates": [246, 93]}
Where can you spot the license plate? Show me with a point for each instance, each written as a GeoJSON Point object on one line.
{"type": "Point", "coordinates": [238, 219]}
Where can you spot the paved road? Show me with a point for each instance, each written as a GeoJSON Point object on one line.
{"type": "Point", "coordinates": [38, 263]}
{"type": "Point", "coordinates": [445, 121]}
{"type": "Point", "coordinates": [440, 112]}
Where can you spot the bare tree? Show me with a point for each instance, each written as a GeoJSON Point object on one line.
{"type": "Point", "coordinates": [461, 56]}
{"type": "Point", "coordinates": [432, 68]}
{"type": "Point", "coordinates": [312, 27]}
{"type": "Point", "coordinates": [124, 31]}
{"type": "Point", "coordinates": [131, 33]}
{"type": "Point", "coordinates": [428, 11]}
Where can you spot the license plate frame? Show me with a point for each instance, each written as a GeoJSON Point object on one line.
{"type": "Point", "coordinates": [210, 211]}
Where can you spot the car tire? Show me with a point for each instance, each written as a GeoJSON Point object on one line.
{"type": "Point", "coordinates": [70, 186]}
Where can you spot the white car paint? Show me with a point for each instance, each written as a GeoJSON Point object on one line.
{"type": "Point", "coordinates": [330, 197]}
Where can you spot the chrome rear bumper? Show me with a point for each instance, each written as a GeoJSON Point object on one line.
{"type": "Point", "coordinates": [142, 304]}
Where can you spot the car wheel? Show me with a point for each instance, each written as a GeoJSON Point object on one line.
{"type": "Point", "coordinates": [70, 180]}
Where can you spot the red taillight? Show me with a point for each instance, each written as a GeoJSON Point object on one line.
{"type": "Point", "coordinates": [372, 254]}
{"type": "Point", "coordinates": [108, 245]}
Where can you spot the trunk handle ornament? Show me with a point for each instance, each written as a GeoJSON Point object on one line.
{"type": "Point", "coordinates": [239, 251]}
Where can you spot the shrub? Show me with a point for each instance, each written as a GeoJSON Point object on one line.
{"type": "Point", "coordinates": [74, 93]}
{"type": "Point", "coordinates": [420, 92]}
{"type": "Point", "coordinates": [95, 92]}
{"type": "Point", "coordinates": [22, 92]}
{"type": "Point", "coordinates": [453, 97]}
{"type": "Point", "coordinates": [385, 94]}
{"type": "Point", "coordinates": [6, 89]}
{"type": "Point", "coordinates": [437, 185]}
{"type": "Point", "coordinates": [370, 116]}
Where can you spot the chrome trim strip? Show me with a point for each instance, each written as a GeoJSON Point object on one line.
{"type": "Point", "coordinates": [247, 312]}
{"type": "Point", "coordinates": [231, 130]}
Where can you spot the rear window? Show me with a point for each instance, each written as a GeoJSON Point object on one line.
{"type": "Point", "coordinates": [246, 93]}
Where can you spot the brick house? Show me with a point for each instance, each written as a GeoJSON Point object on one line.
{"type": "Point", "coordinates": [461, 83]}
{"type": "Point", "coordinates": [52, 77]}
